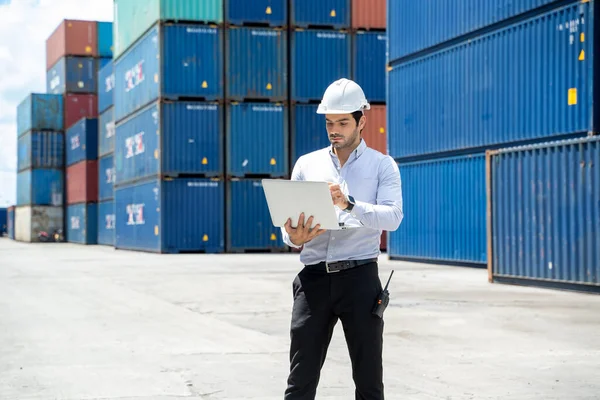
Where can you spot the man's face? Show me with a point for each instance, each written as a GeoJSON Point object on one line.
{"type": "Point", "coordinates": [342, 130]}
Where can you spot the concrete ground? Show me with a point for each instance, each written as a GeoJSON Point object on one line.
{"type": "Point", "coordinates": [82, 322]}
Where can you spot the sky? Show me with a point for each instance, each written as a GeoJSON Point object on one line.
{"type": "Point", "coordinates": [24, 27]}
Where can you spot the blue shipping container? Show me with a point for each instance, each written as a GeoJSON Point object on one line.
{"type": "Point", "coordinates": [249, 223]}
{"type": "Point", "coordinates": [369, 62]}
{"type": "Point", "coordinates": [444, 204]}
{"type": "Point", "coordinates": [40, 187]}
{"type": "Point", "coordinates": [106, 223]}
{"type": "Point", "coordinates": [106, 178]}
{"type": "Point", "coordinates": [106, 127]}
{"type": "Point", "coordinates": [417, 25]}
{"type": "Point", "coordinates": [473, 96]}
{"type": "Point", "coordinates": [319, 58]}
{"type": "Point", "coordinates": [102, 62]}
{"type": "Point", "coordinates": [82, 223]}
{"type": "Point", "coordinates": [106, 84]}
{"type": "Point", "coordinates": [330, 13]}
{"type": "Point", "coordinates": [10, 223]}
{"type": "Point", "coordinates": [3, 221]}
{"type": "Point", "coordinates": [309, 132]}
{"type": "Point", "coordinates": [271, 12]}
{"type": "Point", "coordinates": [257, 139]}
{"type": "Point", "coordinates": [171, 216]}
{"type": "Point", "coordinates": [105, 39]}
{"type": "Point", "coordinates": [41, 150]}
{"type": "Point", "coordinates": [170, 139]}
{"type": "Point", "coordinates": [72, 75]}
{"type": "Point", "coordinates": [256, 64]}
{"type": "Point", "coordinates": [82, 141]}
{"type": "Point", "coordinates": [40, 112]}
{"type": "Point", "coordinates": [173, 61]}
{"type": "Point", "coordinates": [544, 213]}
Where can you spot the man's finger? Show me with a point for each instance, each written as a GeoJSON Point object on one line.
{"type": "Point", "coordinates": [288, 226]}
{"type": "Point", "coordinates": [301, 221]}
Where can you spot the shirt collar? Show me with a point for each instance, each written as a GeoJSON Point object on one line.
{"type": "Point", "coordinates": [362, 146]}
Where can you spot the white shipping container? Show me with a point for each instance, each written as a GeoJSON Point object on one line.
{"type": "Point", "coordinates": [29, 221]}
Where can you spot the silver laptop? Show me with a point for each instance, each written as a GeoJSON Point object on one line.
{"type": "Point", "coordinates": [288, 199]}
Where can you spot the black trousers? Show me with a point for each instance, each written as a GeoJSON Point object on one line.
{"type": "Point", "coordinates": [320, 299]}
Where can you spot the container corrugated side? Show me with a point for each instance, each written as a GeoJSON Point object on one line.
{"type": "Point", "coordinates": [256, 64]}
{"type": "Point", "coordinates": [170, 139]}
{"type": "Point", "coordinates": [82, 223]}
{"type": "Point", "coordinates": [257, 139]}
{"type": "Point", "coordinates": [106, 178]}
{"type": "Point", "coordinates": [319, 58]}
{"type": "Point", "coordinates": [106, 223]}
{"type": "Point", "coordinates": [444, 203]}
{"type": "Point", "coordinates": [82, 182]}
{"type": "Point", "coordinates": [10, 222]}
{"type": "Point", "coordinates": [40, 187]}
{"type": "Point", "coordinates": [474, 96]}
{"type": "Point", "coordinates": [132, 18]}
{"type": "Point", "coordinates": [369, 14]}
{"type": "Point", "coordinates": [249, 225]}
{"type": "Point", "coordinates": [106, 85]}
{"type": "Point", "coordinates": [417, 25]}
{"type": "Point", "coordinates": [82, 141]}
{"type": "Point", "coordinates": [544, 214]}
{"type": "Point", "coordinates": [191, 67]}
{"type": "Point", "coordinates": [309, 132]}
{"type": "Point", "coordinates": [268, 12]}
{"type": "Point", "coordinates": [171, 216]}
{"type": "Point", "coordinates": [72, 75]}
{"type": "Point", "coordinates": [105, 39]}
{"type": "Point", "coordinates": [71, 38]}
{"type": "Point", "coordinates": [106, 132]}
{"type": "Point", "coordinates": [369, 64]}
{"type": "Point", "coordinates": [41, 150]}
{"type": "Point", "coordinates": [3, 221]}
{"type": "Point", "coordinates": [39, 111]}
{"type": "Point", "coordinates": [322, 13]}
{"type": "Point", "coordinates": [79, 106]}
{"type": "Point", "coordinates": [29, 221]}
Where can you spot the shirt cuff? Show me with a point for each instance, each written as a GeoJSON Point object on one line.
{"type": "Point", "coordinates": [360, 209]}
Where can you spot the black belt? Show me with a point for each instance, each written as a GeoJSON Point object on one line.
{"type": "Point", "coordinates": [338, 266]}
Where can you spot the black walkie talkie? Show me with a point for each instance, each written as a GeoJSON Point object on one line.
{"type": "Point", "coordinates": [383, 299]}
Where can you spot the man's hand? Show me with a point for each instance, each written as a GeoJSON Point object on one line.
{"type": "Point", "coordinates": [338, 197]}
{"type": "Point", "coordinates": [302, 233]}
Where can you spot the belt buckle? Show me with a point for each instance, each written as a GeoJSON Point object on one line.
{"type": "Point", "coordinates": [329, 271]}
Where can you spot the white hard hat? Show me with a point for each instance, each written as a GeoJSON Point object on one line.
{"type": "Point", "coordinates": [343, 97]}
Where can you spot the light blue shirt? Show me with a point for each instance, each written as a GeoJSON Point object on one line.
{"type": "Point", "coordinates": [373, 179]}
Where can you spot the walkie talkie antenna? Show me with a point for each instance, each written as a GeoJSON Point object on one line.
{"type": "Point", "coordinates": [389, 279]}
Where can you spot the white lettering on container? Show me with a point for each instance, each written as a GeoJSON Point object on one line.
{"type": "Point", "coordinates": [135, 145]}
{"type": "Point", "coordinates": [110, 221]}
{"type": "Point", "coordinates": [75, 223]}
{"type": "Point", "coordinates": [135, 214]}
{"type": "Point", "coordinates": [134, 76]}
{"type": "Point", "coordinates": [202, 184]}
{"type": "Point", "coordinates": [202, 30]}
{"type": "Point", "coordinates": [75, 143]}
{"type": "Point", "coordinates": [322, 35]}
{"type": "Point", "coordinates": [201, 108]}
{"type": "Point", "coordinates": [109, 83]}
{"type": "Point", "coordinates": [267, 108]}
{"type": "Point", "coordinates": [265, 33]}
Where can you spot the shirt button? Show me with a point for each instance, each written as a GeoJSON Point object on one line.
{"type": "Point", "coordinates": [332, 238]}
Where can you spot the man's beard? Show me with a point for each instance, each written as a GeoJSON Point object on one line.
{"type": "Point", "coordinates": [348, 143]}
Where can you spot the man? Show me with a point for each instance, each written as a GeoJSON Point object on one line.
{"type": "Point", "coordinates": [340, 279]}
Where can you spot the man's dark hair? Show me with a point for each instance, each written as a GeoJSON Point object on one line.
{"type": "Point", "coordinates": [357, 115]}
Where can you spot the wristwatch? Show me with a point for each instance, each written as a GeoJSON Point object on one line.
{"type": "Point", "coordinates": [351, 204]}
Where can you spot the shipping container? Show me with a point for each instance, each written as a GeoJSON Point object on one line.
{"type": "Point", "coordinates": [171, 216]}
{"type": "Point", "coordinates": [309, 132]}
{"type": "Point", "coordinates": [369, 14]}
{"type": "Point", "coordinates": [105, 39]}
{"type": "Point", "coordinates": [31, 220]}
{"type": "Point", "coordinates": [79, 106]}
{"type": "Point", "coordinates": [106, 223]}
{"type": "Point", "coordinates": [41, 150]}
{"type": "Point", "coordinates": [375, 133]}
{"type": "Point", "coordinates": [40, 187]}
{"type": "Point", "coordinates": [249, 226]}
{"type": "Point", "coordinates": [544, 214]}
{"type": "Point", "coordinates": [133, 17]}
{"type": "Point", "coordinates": [40, 111]}
{"type": "Point", "coordinates": [319, 58]}
{"type": "Point", "coordinates": [71, 38]}
{"type": "Point", "coordinates": [106, 178]}
{"type": "Point", "coordinates": [106, 84]}
{"type": "Point", "coordinates": [10, 222]}
{"type": "Point", "coordinates": [82, 223]}
{"type": "Point", "coordinates": [82, 141]}
{"type": "Point", "coordinates": [256, 64]}
{"type": "Point", "coordinates": [106, 131]}
{"type": "Point", "coordinates": [472, 96]}
{"type": "Point", "coordinates": [171, 62]}
{"type": "Point", "coordinates": [101, 63]}
{"type": "Point", "coordinates": [263, 12]}
{"type": "Point", "coordinates": [444, 204]}
{"type": "Point", "coordinates": [82, 182]}
{"type": "Point", "coordinates": [369, 64]}
{"type": "Point", "coordinates": [72, 75]}
{"type": "Point", "coordinates": [320, 13]}
{"type": "Point", "coordinates": [170, 139]}
{"type": "Point", "coordinates": [257, 139]}
{"type": "Point", "coordinates": [3, 221]}
{"type": "Point", "coordinates": [418, 25]}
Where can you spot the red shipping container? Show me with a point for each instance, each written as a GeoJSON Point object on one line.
{"type": "Point", "coordinates": [375, 132]}
{"type": "Point", "coordinates": [72, 38]}
{"type": "Point", "coordinates": [369, 14]}
{"type": "Point", "coordinates": [78, 106]}
{"type": "Point", "coordinates": [82, 182]}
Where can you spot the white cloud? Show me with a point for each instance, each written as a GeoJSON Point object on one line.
{"type": "Point", "coordinates": [24, 27]}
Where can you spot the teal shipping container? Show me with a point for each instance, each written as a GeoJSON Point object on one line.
{"type": "Point", "coordinates": [40, 187]}
{"type": "Point", "coordinates": [82, 223]}
{"type": "Point", "coordinates": [41, 150]}
{"type": "Point", "coordinates": [106, 223]}
{"type": "Point", "coordinates": [41, 112]}
{"type": "Point", "coordinates": [104, 31]}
